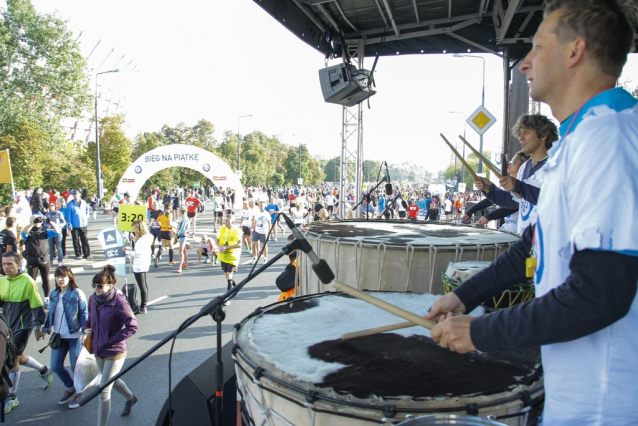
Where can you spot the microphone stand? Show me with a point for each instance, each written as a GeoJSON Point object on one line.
{"type": "Point", "coordinates": [214, 308]}
{"type": "Point", "coordinates": [367, 196]}
{"type": "Point", "coordinates": [391, 203]}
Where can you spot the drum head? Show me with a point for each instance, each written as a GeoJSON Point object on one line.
{"type": "Point", "coordinates": [402, 233]}
{"type": "Point", "coordinates": [302, 339]}
{"type": "Point", "coordinates": [450, 419]}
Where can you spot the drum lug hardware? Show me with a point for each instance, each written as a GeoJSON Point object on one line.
{"type": "Point", "coordinates": [311, 397]}
{"type": "Point", "coordinates": [259, 371]}
{"type": "Point", "coordinates": [235, 349]}
{"type": "Point", "coordinates": [389, 412]}
{"type": "Point", "coordinates": [526, 398]}
{"type": "Point", "coordinates": [472, 409]}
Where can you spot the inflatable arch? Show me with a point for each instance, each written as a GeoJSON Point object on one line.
{"type": "Point", "coordinates": [193, 157]}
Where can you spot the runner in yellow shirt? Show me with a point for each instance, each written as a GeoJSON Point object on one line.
{"type": "Point", "coordinates": [229, 243]}
{"type": "Point", "coordinates": [166, 235]}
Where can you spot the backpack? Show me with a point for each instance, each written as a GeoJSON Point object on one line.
{"type": "Point", "coordinates": [8, 352]}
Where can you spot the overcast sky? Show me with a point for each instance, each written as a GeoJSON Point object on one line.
{"type": "Point", "coordinates": [219, 60]}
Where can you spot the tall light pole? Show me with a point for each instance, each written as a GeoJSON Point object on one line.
{"type": "Point", "coordinates": [462, 165]}
{"type": "Point", "coordinates": [98, 163]}
{"type": "Point", "coordinates": [480, 164]}
{"type": "Point", "coordinates": [243, 116]}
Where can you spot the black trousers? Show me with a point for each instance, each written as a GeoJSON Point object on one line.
{"type": "Point", "coordinates": [140, 277]}
{"type": "Point", "coordinates": [80, 242]}
{"type": "Point", "coordinates": [34, 268]}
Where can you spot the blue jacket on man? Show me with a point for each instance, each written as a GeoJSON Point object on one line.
{"type": "Point", "coordinates": [77, 214]}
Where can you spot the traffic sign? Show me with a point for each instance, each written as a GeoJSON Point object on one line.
{"type": "Point", "coordinates": [481, 120]}
{"type": "Point", "coordinates": [299, 181]}
{"type": "Point", "coordinates": [196, 185]}
{"type": "Point", "coordinates": [128, 214]}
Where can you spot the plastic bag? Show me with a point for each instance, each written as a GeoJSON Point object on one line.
{"type": "Point", "coordinates": [86, 373]}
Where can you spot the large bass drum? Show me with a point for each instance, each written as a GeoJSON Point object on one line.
{"type": "Point", "coordinates": [396, 256]}
{"type": "Point", "coordinates": [294, 369]}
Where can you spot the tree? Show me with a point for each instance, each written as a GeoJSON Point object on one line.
{"type": "Point", "coordinates": [370, 170]}
{"type": "Point", "coordinates": [278, 179]}
{"type": "Point", "coordinates": [332, 169]}
{"type": "Point", "coordinates": [43, 76]}
{"type": "Point", "coordinates": [472, 161]}
{"type": "Point", "coordinates": [115, 150]}
{"type": "Point", "coordinates": [26, 146]}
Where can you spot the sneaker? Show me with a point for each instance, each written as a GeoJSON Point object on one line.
{"type": "Point", "coordinates": [47, 376]}
{"type": "Point", "coordinates": [65, 257]}
{"type": "Point", "coordinates": [144, 310]}
{"type": "Point", "coordinates": [188, 247]}
{"type": "Point", "coordinates": [156, 262]}
{"type": "Point", "coordinates": [252, 262]}
{"type": "Point", "coordinates": [10, 403]}
{"type": "Point", "coordinates": [76, 401]}
{"type": "Point", "coordinates": [78, 257]}
{"type": "Point", "coordinates": [179, 270]}
{"type": "Point", "coordinates": [275, 239]}
{"type": "Point", "coordinates": [185, 267]}
{"type": "Point", "coordinates": [171, 263]}
{"type": "Point", "coordinates": [207, 260]}
{"type": "Point", "coordinates": [68, 395]}
{"type": "Point", "coordinates": [89, 257]}
{"type": "Point", "coordinates": [129, 406]}
{"type": "Point", "coordinates": [215, 260]}
{"type": "Point", "coordinates": [265, 260]}
{"type": "Point", "coordinates": [247, 251]}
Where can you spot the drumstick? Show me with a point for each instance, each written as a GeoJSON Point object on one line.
{"type": "Point", "coordinates": [400, 312]}
{"type": "Point", "coordinates": [467, 166]}
{"type": "Point", "coordinates": [487, 162]}
{"type": "Point", "coordinates": [383, 329]}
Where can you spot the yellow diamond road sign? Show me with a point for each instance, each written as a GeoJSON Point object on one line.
{"type": "Point", "coordinates": [481, 120]}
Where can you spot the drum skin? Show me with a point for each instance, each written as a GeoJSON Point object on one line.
{"type": "Point", "coordinates": [272, 396]}
{"type": "Point", "coordinates": [396, 256]}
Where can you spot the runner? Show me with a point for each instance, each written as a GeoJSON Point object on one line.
{"type": "Point", "coordinates": [229, 244]}
{"type": "Point", "coordinates": [247, 215]}
{"type": "Point", "coordinates": [115, 205]}
{"type": "Point", "coordinates": [166, 235]}
{"type": "Point", "coordinates": [272, 209]}
{"type": "Point", "coordinates": [260, 227]}
{"type": "Point", "coordinates": [219, 210]}
{"type": "Point", "coordinates": [192, 203]}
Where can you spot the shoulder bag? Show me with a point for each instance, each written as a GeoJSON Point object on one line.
{"type": "Point", "coordinates": [88, 340]}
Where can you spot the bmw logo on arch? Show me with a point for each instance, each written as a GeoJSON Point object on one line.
{"type": "Point", "coordinates": [206, 167]}
{"type": "Point", "coordinates": [138, 169]}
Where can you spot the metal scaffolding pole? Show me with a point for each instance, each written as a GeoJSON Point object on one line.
{"type": "Point", "coordinates": [352, 142]}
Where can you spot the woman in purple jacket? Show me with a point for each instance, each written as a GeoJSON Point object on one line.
{"type": "Point", "coordinates": [111, 322]}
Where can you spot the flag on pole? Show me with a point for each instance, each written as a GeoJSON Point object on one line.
{"type": "Point", "coordinates": [5, 167]}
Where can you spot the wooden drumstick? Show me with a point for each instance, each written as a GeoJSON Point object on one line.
{"type": "Point", "coordinates": [383, 329]}
{"type": "Point", "coordinates": [467, 166]}
{"type": "Point", "coordinates": [400, 312]}
{"type": "Point", "coordinates": [487, 163]}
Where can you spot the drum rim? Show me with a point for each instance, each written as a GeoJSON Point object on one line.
{"type": "Point", "coordinates": [366, 242]}
{"type": "Point", "coordinates": [534, 393]}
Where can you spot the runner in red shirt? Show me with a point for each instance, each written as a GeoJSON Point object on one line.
{"type": "Point", "coordinates": [413, 210]}
{"type": "Point", "coordinates": [192, 203]}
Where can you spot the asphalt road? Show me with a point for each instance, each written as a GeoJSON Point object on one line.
{"type": "Point", "coordinates": [176, 296]}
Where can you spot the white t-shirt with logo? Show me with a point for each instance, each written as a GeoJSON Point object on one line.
{"type": "Point", "coordinates": [115, 200]}
{"type": "Point", "coordinates": [298, 215]}
{"type": "Point", "coordinates": [262, 222]}
{"type": "Point", "coordinates": [219, 203]}
{"type": "Point", "coordinates": [247, 216]}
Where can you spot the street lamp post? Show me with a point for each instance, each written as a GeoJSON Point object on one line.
{"type": "Point", "coordinates": [98, 163]}
{"type": "Point", "coordinates": [464, 123]}
{"type": "Point", "coordinates": [480, 164]}
{"type": "Point", "coordinates": [243, 116]}
{"type": "Point", "coordinates": [299, 163]}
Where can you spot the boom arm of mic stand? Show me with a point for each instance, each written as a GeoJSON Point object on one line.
{"type": "Point", "coordinates": [368, 194]}
{"type": "Point", "coordinates": [207, 309]}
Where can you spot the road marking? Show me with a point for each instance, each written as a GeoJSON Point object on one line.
{"type": "Point", "coordinates": [156, 300]}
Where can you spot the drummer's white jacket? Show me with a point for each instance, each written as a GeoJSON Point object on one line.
{"type": "Point", "coordinates": [589, 201]}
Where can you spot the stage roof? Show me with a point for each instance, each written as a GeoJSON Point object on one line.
{"type": "Point", "coordinates": [411, 26]}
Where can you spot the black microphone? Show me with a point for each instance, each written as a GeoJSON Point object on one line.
{"type": "Point", "coordinates": [388, 185]}
{"type": "Point", "coordinates": [321, 268]}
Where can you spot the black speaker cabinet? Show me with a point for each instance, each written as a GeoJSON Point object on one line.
{"type": "Point", "coordinates": [194, 396]}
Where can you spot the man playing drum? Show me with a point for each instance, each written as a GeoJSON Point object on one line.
{"type": "Point", "coordinates": [585, 314]}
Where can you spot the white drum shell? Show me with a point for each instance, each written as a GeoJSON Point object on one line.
{"type": "Point", "coordinates": [373, 264]}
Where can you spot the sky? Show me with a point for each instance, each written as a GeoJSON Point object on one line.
{"type": "Point", "coordinates": [219, 60]}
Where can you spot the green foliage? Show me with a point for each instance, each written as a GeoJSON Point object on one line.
{"type": "Point", "coordinates": [43, 76]}
{"type": "Point", "coordinates": [371, 170]}
{"type": "Point", "coordinates": [27, 150]}
{"type": "Point", "coordinates": [332, 169]}
{"type": "Point", "coordinates": [472, 161]}
{"type": "Point", "coordinates": [278, 179]}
